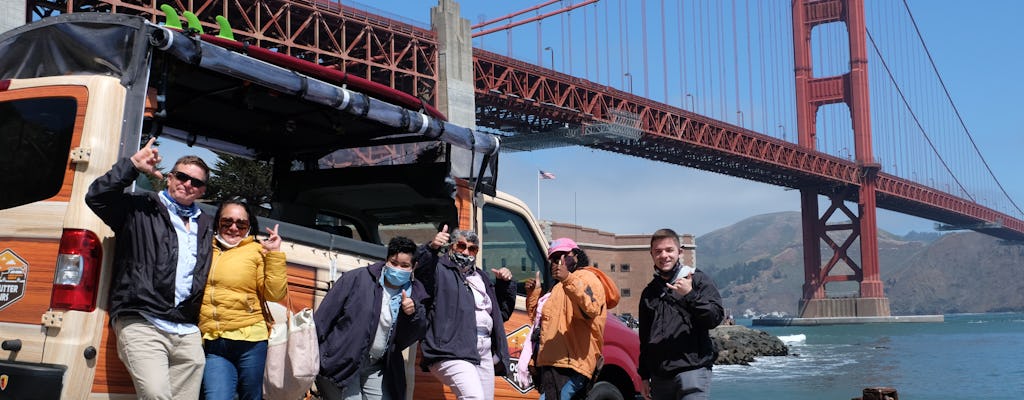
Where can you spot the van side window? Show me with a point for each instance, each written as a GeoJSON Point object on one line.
{"type": "Point", "coordinates": [35, 140]}
{"type": "Point", "coordinates": [507, 236]}
{"type": "Point", "coordinates": [336, 226]}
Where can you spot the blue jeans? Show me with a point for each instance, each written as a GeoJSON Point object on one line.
{"type": "Point", "coordinates": [234, 366]}
{"type": "Point", "coordinates": [574, 382]}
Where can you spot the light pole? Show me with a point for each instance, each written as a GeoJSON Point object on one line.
{"type": "Point", "coordinates": [629, 79]}
{"type": "Point", "coordinates": [552, 56]}
{"type": "Point", "coordinates": [689, 100]}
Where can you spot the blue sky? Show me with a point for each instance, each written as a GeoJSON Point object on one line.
{"type": "Point", "coordinates": [977, 48]}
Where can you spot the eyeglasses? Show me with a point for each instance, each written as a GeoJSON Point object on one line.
{"type": "Point", "coordinates": [463, 246]}
{"type": "Point", "coordinates": [241, 224]}
{"type": "Point", "coordinates": [181, 176]}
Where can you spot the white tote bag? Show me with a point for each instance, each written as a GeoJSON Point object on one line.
{"type": "Point", "coordinates": [293, 354]}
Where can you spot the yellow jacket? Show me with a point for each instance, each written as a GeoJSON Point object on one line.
{"type": "Point", "coordinates": [572, 323]}
{"type": "Point", "coordinates": [230, 301]}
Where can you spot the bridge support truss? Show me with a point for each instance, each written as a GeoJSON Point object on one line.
{"type": "Point", "coordinates": [811, 93]}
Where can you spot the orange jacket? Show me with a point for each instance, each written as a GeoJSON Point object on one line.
{"type": "Point", "coordinates": [572, 323]}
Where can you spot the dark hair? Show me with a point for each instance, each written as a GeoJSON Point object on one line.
{"type": "Point", "coordinates": [254, 225]}
{"type": "Point", "coordinates": [195, 160]}
{"type": "Point", "coordinates": [581, 258]}
{"type": "Point", "coordinates": [401, 244]}
{"type": "Point", "coordinates": [665, 233]}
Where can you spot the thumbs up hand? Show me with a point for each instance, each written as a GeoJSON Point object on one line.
{"type": "Point", "coordinates": [408, 306]}
{"type": "Point", "coordinates": [441, 238]}
{"type": "Point", "coordinates": [532, 283]}
{"type": "Point", "coordinates": [147, 158]}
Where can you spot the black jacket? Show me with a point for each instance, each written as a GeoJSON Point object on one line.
{"type": "Point", "coordinates": [674, 329]}
{"type": "Point", "coordinates": [146, 250]}
{"type": "Point", "coordinates": [452, 312]}
{"type": "Point", "coordinates": [346, 323]}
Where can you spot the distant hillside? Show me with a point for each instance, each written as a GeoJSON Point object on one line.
{"type": "Point", "coordinates": [757, 264]}
{"type": "Point", "coordinates": [961, 272]}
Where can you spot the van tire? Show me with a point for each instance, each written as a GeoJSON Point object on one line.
{"type": "Point", "coordinates": [604, 391]}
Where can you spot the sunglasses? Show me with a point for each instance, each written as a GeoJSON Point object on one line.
{"type": "Point", "coordinates": [181, 176]}
{"type": "Point", "coordinates": [556, 258]}
{"type": "Point", "coordinates": [463, 246]}
{"type": "Point", "coordinates": [241, 224]}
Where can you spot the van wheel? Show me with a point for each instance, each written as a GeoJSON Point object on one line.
{"type": "Point", "coordinates": [604, 391]}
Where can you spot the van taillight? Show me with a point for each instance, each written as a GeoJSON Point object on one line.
{"type": "Point", "coordinates": [5, 84]}
{"type": "Point", "coordinates": [77, 278]}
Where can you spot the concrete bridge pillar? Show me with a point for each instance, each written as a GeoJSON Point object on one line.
{"type": "Point", "coordinates": [455, 94]}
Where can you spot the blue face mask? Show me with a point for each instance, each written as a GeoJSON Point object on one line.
{"type": "Point", "coordinates": [396, 276]}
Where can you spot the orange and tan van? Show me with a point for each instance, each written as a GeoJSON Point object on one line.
{"type": "Point", "coordinates": [348, 172]}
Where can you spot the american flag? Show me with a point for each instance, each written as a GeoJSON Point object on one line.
{"type": "Point", "coordinates": [546, 175]}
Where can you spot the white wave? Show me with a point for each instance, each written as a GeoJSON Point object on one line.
{"type": "Point", "coordinates": [791, 339]}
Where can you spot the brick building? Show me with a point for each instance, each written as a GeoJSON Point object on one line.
{"type": "Point", "coordinates": [625, 258]}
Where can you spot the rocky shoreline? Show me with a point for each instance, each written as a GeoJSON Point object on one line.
{"type": "Point", "coordinates": [738, 344]}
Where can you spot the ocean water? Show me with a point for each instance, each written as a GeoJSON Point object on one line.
{"type": "Point", "coordinates": [969, 356]}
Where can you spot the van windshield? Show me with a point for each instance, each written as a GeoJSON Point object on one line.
{"type": "Point", "coordinates": [35, 140]}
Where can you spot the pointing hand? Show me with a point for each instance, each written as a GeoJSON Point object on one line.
{"type": "Point", "coordinates": [147, 158]}
{"type": "Point", "coordinates": [273, 243]}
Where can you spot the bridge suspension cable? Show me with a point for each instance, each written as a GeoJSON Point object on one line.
{"type": "Point", "coordinates": [956, 110]}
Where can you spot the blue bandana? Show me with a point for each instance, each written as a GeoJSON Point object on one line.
{"type": "Point", "coordinates": [179, 209]}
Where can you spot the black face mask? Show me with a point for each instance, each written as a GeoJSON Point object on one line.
{"type": "Point", "coordinates": [463, 261]}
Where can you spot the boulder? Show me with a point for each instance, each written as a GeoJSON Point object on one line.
{"type": "Point", "coordinates": [738, 344]}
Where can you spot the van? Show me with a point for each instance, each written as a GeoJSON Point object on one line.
{"type": "Point", "coordinates": [348, 172]}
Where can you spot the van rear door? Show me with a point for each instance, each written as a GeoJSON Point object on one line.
{"type": "Point", "coordinates": [39, 127]}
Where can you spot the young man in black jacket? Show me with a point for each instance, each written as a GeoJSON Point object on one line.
{"type": "Point", "coordinates": [677, 309]}
{"type": "Point", "coordinates": [161, 262]}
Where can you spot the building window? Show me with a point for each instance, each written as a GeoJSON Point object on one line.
{"type": "Point", "coordinates": [613, 267]}
{"type": "Point", "coordinates": [624, 292]}
{"type": "Point", "coordinates": [624, 268]}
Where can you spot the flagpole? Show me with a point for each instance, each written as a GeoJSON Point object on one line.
{"type": "Point", "coordinates": [538, 196]}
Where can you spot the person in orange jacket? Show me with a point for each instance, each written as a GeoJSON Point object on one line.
{"type": "Point", "coordinates": [571, 324]}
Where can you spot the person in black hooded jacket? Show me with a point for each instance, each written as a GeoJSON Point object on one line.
{"type": "Point", "coordinates": [678, 308]}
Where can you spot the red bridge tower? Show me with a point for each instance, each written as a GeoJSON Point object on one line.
{"type": "Point", "coordinates": [811, 93]}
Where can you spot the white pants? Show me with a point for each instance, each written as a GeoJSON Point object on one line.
{"type": "Point", "coordinates": [468, 381]}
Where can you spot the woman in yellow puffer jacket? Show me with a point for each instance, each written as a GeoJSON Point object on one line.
{"type": "Point", "coordinates": [234, 331]}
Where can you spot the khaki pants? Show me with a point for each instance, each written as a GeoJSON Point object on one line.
{"type": "Point", "coordinates": [163, 365]}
